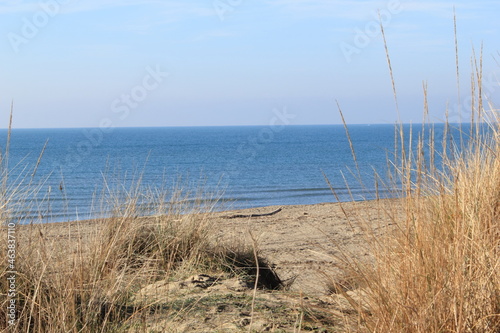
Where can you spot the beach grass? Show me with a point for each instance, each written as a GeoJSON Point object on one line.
{"type": "Point", "coordinates": [85, 277]}
{"type": "Point", "coordinates": [439, 269]}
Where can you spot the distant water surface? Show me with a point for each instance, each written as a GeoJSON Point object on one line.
{"type": "Point", "coordinates": [248, 166]}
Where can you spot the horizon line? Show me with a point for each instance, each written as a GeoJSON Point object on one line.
{"type": "Point", "coordinates": [256, 125]}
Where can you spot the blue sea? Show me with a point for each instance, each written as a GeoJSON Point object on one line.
{"type": "Point", "coordinates": [59, 175]}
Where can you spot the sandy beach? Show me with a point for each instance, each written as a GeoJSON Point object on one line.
{"type": "Point", "coordinates": [307, 245]}
{"type": "Point", "coordinates": [303, 242]}
{"type": "Point", "coordinates": [306, 242]}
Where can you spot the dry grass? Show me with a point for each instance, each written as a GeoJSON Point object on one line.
{"type": "Point", "coordinates": [439, 271]}
{"type": "Point", "coordinates": [86, 281]}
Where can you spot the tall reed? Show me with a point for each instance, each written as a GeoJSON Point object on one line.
{"type": "Point", "coordinates": [439, 269]}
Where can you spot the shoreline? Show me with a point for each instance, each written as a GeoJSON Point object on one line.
{"type": "Point", "coordinates": [225, 209]}
{"type": "Point", "coordinates": [303, 242]}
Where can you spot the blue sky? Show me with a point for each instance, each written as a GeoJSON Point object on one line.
{"type": "Point", "coordinates": [90, 63]}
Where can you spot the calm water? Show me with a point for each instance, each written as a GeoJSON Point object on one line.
{"type": "Point", "coordinates": [251, 166]}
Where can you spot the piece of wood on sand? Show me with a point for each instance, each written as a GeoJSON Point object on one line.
{"type": "Point", "coordinates": [239, 216]}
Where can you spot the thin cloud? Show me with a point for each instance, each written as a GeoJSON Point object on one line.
{"type": "Point", "coordinates": [358, 10]}
{"type": "Point", "coordinates": [168, 7]}
{"type": "Point", "coordinates": [18, 6]}
{"type": "Point", "coordinates": [323, 8]}
{"type": "Point", "coordinates": [78, 6]}
{"type": "Point", "coordinates": [214, 34]}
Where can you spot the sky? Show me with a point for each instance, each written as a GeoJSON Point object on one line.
{"type": "Point", "coordinates": [128, 63]}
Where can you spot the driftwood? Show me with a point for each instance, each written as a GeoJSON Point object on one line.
{"type": "Point", "coordinates": [238, 216]}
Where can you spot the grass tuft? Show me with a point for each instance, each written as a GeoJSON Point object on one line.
{"type": "Point", "coordinates": [84, 276]}
{"type": "Point", "coordinates": [439, 268]}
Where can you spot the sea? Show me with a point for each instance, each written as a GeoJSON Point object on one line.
{"type": "Point", "coordinates": [58, 175]}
